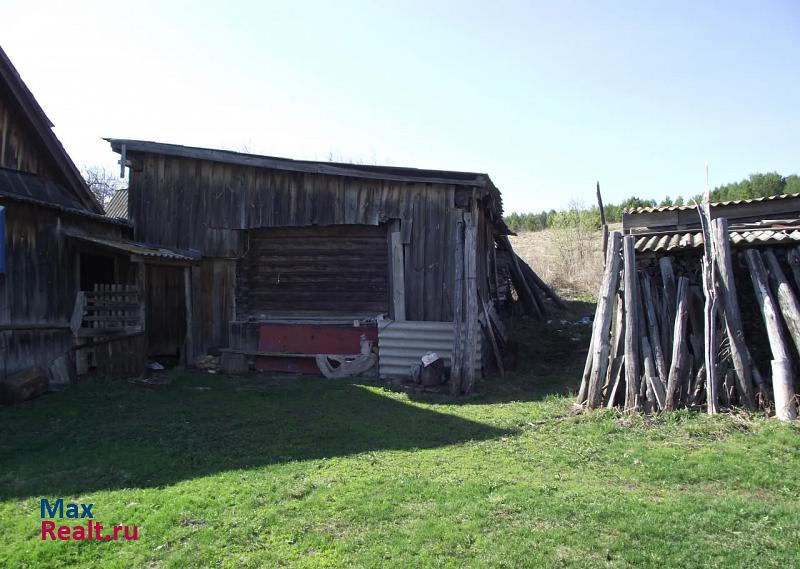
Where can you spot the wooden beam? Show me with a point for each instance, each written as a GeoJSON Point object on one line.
{"type": "Point", "coordinates": [398, 277]}
{"type": "Point", "coordinates": [679, 352]}
{"type": "Point", "coordinates": [471, 290]}
{"type": "Point", "coordinates": [188, 342]}
{"type": "Point", "coordinates": [631, 323]}
{"type": "Point", "coordinates": [732, 315]}
{"type": "Point", "coordinates": [456, 363]}
{"type": "Point", "coordinates": [782, 380]}
{"type": "Point", "coordinates": [602, 321]}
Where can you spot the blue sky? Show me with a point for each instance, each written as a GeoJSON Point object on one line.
{"type": "Point", "coordinates": [545, 97]}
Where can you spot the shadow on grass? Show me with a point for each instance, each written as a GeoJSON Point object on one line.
{"type": "Point", "coordinates": [105, 435]}
{"type": "Point", "coordinates": [548, 359]}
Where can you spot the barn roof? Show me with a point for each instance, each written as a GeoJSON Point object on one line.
{"type": "Point", "coordinates": [309, 166]}
{"type": "Point", "coordinates": [72, 186]}
{"type": "Point", "coordinates": [44, 192]}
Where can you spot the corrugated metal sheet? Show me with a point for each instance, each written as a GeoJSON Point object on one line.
{"type": "Point", "coordinates": [402, 344]}
{"type": "Point", "coordinates": [688, 207]}
{"type": "Point", "coordinates": [668, 242]}
{"type": "Point", "coordinates": [118, 205]}
{"type": "Point", "coordinates": [139, 248]}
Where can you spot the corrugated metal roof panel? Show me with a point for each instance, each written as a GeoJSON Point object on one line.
{"type": "Point", "coordinates": [402, 344]}
{"type": "Point", "coordinates": [688, 207]}
{"type": "Point", "coordinates": [118, 206]}
{"type": "Point", "coordinates": [694, 239]}
{"type": "Point", "coordinates": [140, 248]}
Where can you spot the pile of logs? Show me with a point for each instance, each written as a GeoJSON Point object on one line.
{"type": "Point", "coordinates": [661, 342]}
{"type": "Point", "coordinates": [532, 291]}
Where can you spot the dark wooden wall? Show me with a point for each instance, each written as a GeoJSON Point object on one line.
{"type": "Point", "coordinates": [18, 150]}
{"type": "Point", "coordinates": [166, 310]}
{"type": "Point", "coordinates": [38, 289]}
{"type": "Point", "coordinates": [208, 207]}
{"type": "Point", "coordinates": [333, 269]}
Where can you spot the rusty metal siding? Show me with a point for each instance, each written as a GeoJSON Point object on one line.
{"type": "Point", "coordinates": [402, 344]}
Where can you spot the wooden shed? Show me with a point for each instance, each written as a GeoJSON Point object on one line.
{"type": "Point", "coordinates": [700, 310]}
{"type": "Point", "coordinates": [301, 258]}
{"type": "Point", "coordinates": [71, 294]}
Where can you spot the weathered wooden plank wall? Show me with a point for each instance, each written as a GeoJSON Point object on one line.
{"type": "Point", "coordinates": [191, 204]}
{"type": "Point", "coordinates": [213, 303]}
{"type": "Point", "coordinates": [166, 310]}
{"type": "Point", "coordinates": [38, 289]}
{"type": "Point", "coordinates": [18, 150]}
{"type": "Point", "coordinates": [332, 269]}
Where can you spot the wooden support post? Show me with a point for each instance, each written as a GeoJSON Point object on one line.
{"type": "Point", "coordinates": [733, 317]}
{"type": "Point", "coordinates": [188, 342]}
{"type": "Point", "coordinates": [710, 307]}
{"type": "Point", "coordinates": [782, 380]}
{"type": "Point", "coordinates": [471, 290]}
{"type": "Point", "coordinates": [456, 369]}
{"type": "Point", "coordinates": [398, 277]}
{"type": "Point", "coordinates": [498, 356]}
{"type": "Point", "coordinates": [631, 323]}
{"type": "Point", "coordinates": [787, 301]}
{"type": "Point", "coordinates": [679, 355]}
{"type": "Point", "coordinates": [602, 321]}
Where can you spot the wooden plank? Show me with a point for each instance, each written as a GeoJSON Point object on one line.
{"type": "Point", "coordinates": [781, 386]}
{"type": "Point", "coordinates": [669, 304]}
{"type": "Point", "coordinates": [631, 323]}
{"type": "Point", "coordinates": [472, 331]}
{"type": "Point", "coordinates": [188, 343]}
{"type": "Point", "coordinates": [457, 361]}
{"type": "Point", "coordinates": [679, 352]}
{"type": "Point", "coordinates": [603, 320]}
{"type": "Point", "coordinates": [398, 277]}
{"type": "Point", "coordinates": [740, 355]}
{"type": "Point", "coordinates": [653, 329]}
{"type": "Point", "coordinates": [498, 356]}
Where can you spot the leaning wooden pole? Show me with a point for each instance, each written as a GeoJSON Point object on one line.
{"type": "Point", "coordinates": [781, 363]}
{"type": "Point", "coordinates": [603, 223]}
{"type": "Point", "coordinates": [676, 371]}
{"type": "Point", "coordinates": [732, 315]}
{"type": "Point", "coordinates": [787, 301]}
{"type": "Point", "coordinates": [631, 323]}
{"type": "Point", "coordinates": [709, 308]}
{"type": "Point", "coordinates": [602, 321]}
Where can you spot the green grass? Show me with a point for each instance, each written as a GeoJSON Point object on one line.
{"type": "Point", "coordinates": [254, 472]}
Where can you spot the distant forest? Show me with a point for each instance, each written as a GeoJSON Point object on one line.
{"type": "Point", "coordinates": [578, 215]}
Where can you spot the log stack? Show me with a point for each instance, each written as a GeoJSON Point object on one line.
{"type": "Point", "coordinates": [673, 337]}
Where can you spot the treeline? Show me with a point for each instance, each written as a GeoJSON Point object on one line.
{"type": "Point", "coordinates": [577, 215]}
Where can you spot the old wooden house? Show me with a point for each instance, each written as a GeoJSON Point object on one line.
{"type": "Point", "coordinates": [301, 258]}
{"type": "Point", "coordinates": [69, 298]}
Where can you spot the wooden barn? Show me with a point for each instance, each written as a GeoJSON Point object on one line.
{"type": "Point", "coordinates": [302, 258]}
{"type": "Point", "coordinates": [71, 298]}
{"type": "Point", "coordinates": [700, 310]}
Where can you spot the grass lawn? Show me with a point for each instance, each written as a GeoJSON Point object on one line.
{"type": "Point", "coordinates": [264, 472]}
